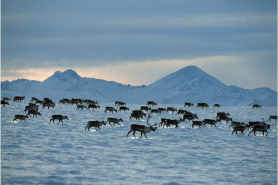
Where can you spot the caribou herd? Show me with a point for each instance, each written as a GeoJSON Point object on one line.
{"type": "Point", "coordinates": [145, 111]}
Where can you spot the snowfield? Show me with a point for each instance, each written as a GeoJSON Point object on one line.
{"type": "Point", "coordinates": [39, 152]}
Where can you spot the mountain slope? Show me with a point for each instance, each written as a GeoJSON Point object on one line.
{"type": "Point", "coordinates": [189, 84]}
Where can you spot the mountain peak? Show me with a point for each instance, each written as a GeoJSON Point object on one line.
{"type": "Point", "coordinates": [69, 73]}
{"type": "Point", "coordinates": [190, 70]}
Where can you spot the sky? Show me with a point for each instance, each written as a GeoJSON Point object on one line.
{"type": "Point", "coordinates": [139, 42]}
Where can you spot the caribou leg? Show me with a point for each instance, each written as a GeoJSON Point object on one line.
{"type": "Point", "coordinates": [128, 133]}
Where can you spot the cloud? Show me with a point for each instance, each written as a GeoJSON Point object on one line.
{"type": "Point", "coordinates": [125, 36]}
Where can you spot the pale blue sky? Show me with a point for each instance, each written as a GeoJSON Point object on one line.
{"type": "Point", "coordinates": [138, 42]}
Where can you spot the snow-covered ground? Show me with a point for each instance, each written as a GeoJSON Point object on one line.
{"type": "Point", "coordinates": [36, 152]}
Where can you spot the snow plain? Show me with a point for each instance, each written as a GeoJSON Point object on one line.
{"type": "Point", "coordinates": [36, 152]}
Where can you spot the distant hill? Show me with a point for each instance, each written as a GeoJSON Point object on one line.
{"type": "Point", "coordinates": [189, 84]}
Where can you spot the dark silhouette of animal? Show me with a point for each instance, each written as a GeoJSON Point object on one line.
{"type": "Point", "coordinates": [48, 105]}
{"type": "Point", "coordinates": [137, 114]}
{"type": "Point", "coordinates": [31, 107]}
{"type": "Point", "coordinates": [236, 124]}
{"type": "Point", "coordinates": [171, 109]}
{"type": "Point", "coordinates": [257, 106]}
{"type": "Point", "coordinates": [198, 123]}
{"type": "Point", "coordinates": [239, 129]}
{"type": "Point", "coordinates": [20, 117]}
{"type": "Point", "coordinates": [81, 107]}
{"type": "Point", "coordinates": [216, 106]}
{"type": "Point", "coordinates": [34, 112]}
{"type": "Point", "coordinates": [87, 101]}
{"type": "Point", "coordinates": [223, 117]}
{"type": "Point", "coordinates": [157, 111]}
{"type": "Point", "coordinates": [141, 128]}
{"type": "Point", "coordinates": [59, 117]}
{"type": "Point", "coordinates": [272, 117]}
{"type": "Point", "coordinates": [187, 104]}
{"type": "Point", "coordinates": [19, 98]}
{"type": "Point", "coordinates": [202, 105]}
{"type": "Point", "coordinates": [221, 114]}
{"type": "Point", "coordinates": [163, 120]}
{"type": "Point", "coordinates": [210, 121]}
{"type": "Point", "coordinates": [4, 103]}
{"type": "Point", "coordinates": [95, 124]}
{"type": "Point", "coordinates": [6, 99]}
{"type": "Point", "coordinates": [152, 103]}
{"type": "Point", "coordinates": [94, 106]}
{"type": "Point", "coordinates": [34, 99]}
{"type": "Point", "coordinates": [123, 108]}
{"type": "Point", "coordinates": [263, 129]}
{"type": "Point", "coordinates": [189, 117]}
{"type": "Point", "coordinates": [39, 102]}
{"type": "Point", "coordinates": [110, 109]}
{"type": "Point", "coordinates": [180, 111]}
{"type": "Point", "coordinates": [161, 109]}
{"type": "Point", "coordinates": [114, 120]}
{"type": "Point", "coordinates": [145, 108]}
{"type": "Point", "coordinates": [172, 122]}
{"type": "Point", "coordinates": [118, 103]}
{"type": "Point", "coordinates": [251, 124]}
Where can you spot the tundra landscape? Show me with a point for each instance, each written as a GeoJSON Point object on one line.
{"type": "Point", "coordinates": [96, 141]}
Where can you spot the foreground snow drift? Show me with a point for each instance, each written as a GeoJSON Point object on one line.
{"type": "Point", "coordinates": [39, 152]}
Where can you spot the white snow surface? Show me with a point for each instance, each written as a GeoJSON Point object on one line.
{"type": "Point", "coordinates": [39, 152]}
{"type": "Point", "coordinates": [189, 84]}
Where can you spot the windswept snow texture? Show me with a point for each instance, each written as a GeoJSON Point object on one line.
{"type": "Point", "coordinates": [39, 152]}
{"type": "Point", "coordinates": [189, 84]}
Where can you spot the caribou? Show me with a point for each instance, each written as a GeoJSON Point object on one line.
{"type": "Point", "coordinates": [118, 103]}
{"type": "Point", "coordinates": [114, 120]}
{"type": "Point", "coordinates": [171, 109]}
{"type": "Point", "coordinates": [257, 106]}
{"type": "Point", "coordinates": [95, 124]}
{"type": "Point", "coordinates": [272, 117]}
{"type": "Point", "coordinates": [152, 103]}
{"type": "Point", "coordinates": [186, 104]}
{"type": "Point", "coordinates": [21, 117]}
{"type": "Point", "coordinates": [263, 129]}
{"type": "Point", "coordinates": [202, 105]}
{"type": "Point", "coordinates": [189, 117]}
{"type": "Point", "coordinates": [141, 128]}
{"type": "Point", "coordinates": [34, 112]}
{"type": "Point", "coordinates": [94, 106]}
{"type": "Point", "coordinates": [6, 99]}
{"type": "Point", "coordinates": [110, 109]}
{"type": "Point", "coordinates": [81, 107]}
{"type": "Point", "coordinates": [137, 114]}
{"type": "Point", "coordinates": [163, 120]}
{"type": "Point", "coordinates": [123, 108]}
{"type": "Point", "coordinates": [59, 117]}
{"type": "Point", "coordinates": [19, 98]}
{"type": "Point", "coordinates": [156, 111]}
{"type": "Point", "coordinates": [236, 124]}
{"type": "Point", "coordinates": [145, 108]}
{"type": "Point", "coordinates": [216, 106]}
{"type": "Point", "coordinates": [210, 121]}
{"type": "Point", "coordinates": [198, 123]}
{"type": "Point", "coordinates": [3, 102]}
{"type": "Point", "coordinates": [34, 99]}
{"type": "Point", "coordinates": [240, 128]}
{"type": "Point", "coordinates": [172, 122]}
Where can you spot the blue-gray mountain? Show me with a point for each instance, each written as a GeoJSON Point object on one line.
{"type": "Point", "coordinates": [189, 84]}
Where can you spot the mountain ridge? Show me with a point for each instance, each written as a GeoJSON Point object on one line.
{"type": "Point", "coordinates": [189, 84]}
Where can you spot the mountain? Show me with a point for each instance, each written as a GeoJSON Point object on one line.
{"type": "Point", "coordinates": [189, 84]}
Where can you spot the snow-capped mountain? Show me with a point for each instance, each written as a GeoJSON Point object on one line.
{"type": "Point", "coordinates": [189, 84]}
